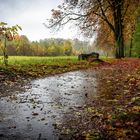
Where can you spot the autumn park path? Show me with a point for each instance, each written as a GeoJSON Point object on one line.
{"type": "Point", "coordinates": [37, 112]}
{"type": "Point", "coordinates": [99, 103]}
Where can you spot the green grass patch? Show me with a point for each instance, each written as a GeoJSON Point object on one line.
{"type": "Point", "coordinates": [27, 60]}
{"type": "Point", "coordinates": [43, 66]}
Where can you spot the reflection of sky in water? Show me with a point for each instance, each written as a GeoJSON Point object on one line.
{"type": "Point", "coordinates": [50, 97]}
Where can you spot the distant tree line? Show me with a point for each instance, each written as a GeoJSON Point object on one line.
{"type": "Point", "coordinates": [133, 45]}
{"type": "Point", "coordinates": [22, 46]}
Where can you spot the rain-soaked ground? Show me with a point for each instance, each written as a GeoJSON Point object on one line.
{"type": "Point", "coordinates": [35, 113]}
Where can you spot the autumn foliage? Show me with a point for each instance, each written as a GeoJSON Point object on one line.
{"type": "Point", "coordinates": [113, 20]}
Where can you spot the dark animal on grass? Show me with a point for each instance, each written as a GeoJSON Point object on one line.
{"type": "Point", "coordinates": [88, 56]}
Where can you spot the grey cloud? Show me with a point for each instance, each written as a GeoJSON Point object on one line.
{"type": "Point", "coordinates": [29, 14]}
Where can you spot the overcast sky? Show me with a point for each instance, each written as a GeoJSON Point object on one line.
{"type": "Point", "coordinates": [30, 14]}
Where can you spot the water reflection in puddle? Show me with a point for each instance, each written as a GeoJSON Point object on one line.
{"type": "Point", "coordinates": [36, 113]}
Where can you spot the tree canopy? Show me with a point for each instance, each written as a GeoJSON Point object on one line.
{"type": "Point", "coordinates": [96, 15]}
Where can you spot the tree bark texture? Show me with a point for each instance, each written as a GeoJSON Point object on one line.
{"type": "Point", "coordinates": [118, 24]}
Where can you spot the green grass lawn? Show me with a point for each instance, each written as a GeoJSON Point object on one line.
{"type": "Point", "coordinates": [43, 66]}
{"type": "Point", "coordinates": [27, 60]}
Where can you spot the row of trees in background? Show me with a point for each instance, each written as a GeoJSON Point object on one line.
{"type": "Point", "coordinates": [133, 45]}
{"type": "Point", "coordinates": [13, 44]}
{"type": "Point", "coordinates": [21, 46]}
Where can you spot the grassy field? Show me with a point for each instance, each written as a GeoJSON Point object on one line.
{"type": "Point", "coordinates": [43, 66]}
{"type": "Point", "coordinates": [26, 60]}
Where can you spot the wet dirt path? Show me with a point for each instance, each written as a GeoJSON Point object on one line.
{"type": "Point", "coordinates": [36, 113]}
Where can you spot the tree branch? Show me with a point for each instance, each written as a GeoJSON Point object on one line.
{"type": "Point", "coordinates": [105, 17]}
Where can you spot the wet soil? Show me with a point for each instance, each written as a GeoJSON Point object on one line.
{"type": "Point", "coordinates": [115, 110]}
{"type": "Point", "coordinates": [102, 103]}
{"type": "Point", "coordinates": [10, 82]}
{"type": "Point", "coordinates": [40, 111]}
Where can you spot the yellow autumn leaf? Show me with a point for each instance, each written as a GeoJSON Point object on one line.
{"type": "Point", "coordinates": [136, 108]}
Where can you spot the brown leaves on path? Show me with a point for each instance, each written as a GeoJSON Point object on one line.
{"type": "Point", "coordinates": [115, 113]}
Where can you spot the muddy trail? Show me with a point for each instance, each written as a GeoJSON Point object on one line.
{"type": "Point", "coordinates": [40, 111]}
{"type": "Point", "coordinates": [101, 103]}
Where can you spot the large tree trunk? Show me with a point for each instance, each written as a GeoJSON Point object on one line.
{"type": "Point", "coordinates": [118, 21]}
{"type": "Point", "coordinates": [119, 46]}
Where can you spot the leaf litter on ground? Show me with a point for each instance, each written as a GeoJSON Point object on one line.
{"type": "Point", "coordinates": [115, 113]}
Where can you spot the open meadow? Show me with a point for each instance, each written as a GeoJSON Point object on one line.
{"type": "Point", "coordinates": [33, 60]}
{"type": "Point", "coordinates": [43, 66]}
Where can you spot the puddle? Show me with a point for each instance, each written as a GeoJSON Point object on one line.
{"type": "Point", "coordinates": [36, 113]}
